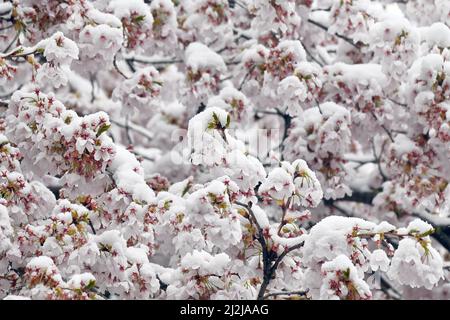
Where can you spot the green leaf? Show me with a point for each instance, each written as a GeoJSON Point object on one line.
{"type": "Point", "coordinates": [103, 129]}
{"type": "Point", "coordinates": [90, 285]}
{"type": "Point", "coordinates": [347, 273]}
{"type": "Point", "coordinates": [215, 122]}
{"type": "Point", "coordinates": [216, 119]}
{"type": "Point", "coordinates": [139, 19]}
{"type": "Point", "coordinates": [228, 121]}
{"type": "Point", "coordinates": [426, 233]}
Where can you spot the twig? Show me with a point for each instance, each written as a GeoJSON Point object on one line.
{"type": "Point", "coordinates": [287, 124]}
{"type": "Point", "coordinates": [312, 57]}
{"type": "Point", "coordinates": [350, 41]}
{"type": "Point", "coordinates": [4, 104]}
{"type": "Point", "coordinates": [378, 159]}
{"type": "Point", "coordinates": [270, 261]}
{"type": "Point", "coordinates": [7, 27]}
{"type": "Point", "coordinates": [140, 60]}
{"type": "Point", "coordinates": [92, 79]}
{"type": "Point", "coordinates": [127, 130]}
{"type": "Point", "coordinates": [92, 226]}
{"type": "Point", "coordinates": [12, 42]}
{"type": "Point", "coordinates": [138, 154]}
{"type": "Point", "coordinates": [245, 77]}
{"type": "Point", "coordinates": [383, 127]}
{"type": "Point", "coordinates": [404, 105]}
{"type": "Point", "coordinates": [117, 68]}
{"type": "Point", "coordinates": [131, 126]}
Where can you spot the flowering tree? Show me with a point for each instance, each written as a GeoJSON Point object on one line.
{"type": "Point", "coordinates": [213, 149]}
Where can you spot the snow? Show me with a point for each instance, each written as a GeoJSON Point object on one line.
{"type": "Point", "coordinates": [125, 8]}
{"type": "Point", "coordinates": [140, 91]}
{"type": "Point", "coordinates": [104, 18]}
{"type": "Point", "coordinates": [379, 260]}
{"type": "Point", "coordinates": [136, 255]}
{"type": "Point", "coordinates": [202, 120]}
{"type": "Point", "coordinates": [287, 242]}
{"type": "Point", "coordinates": [342, 263]}
{"type": "Point", "coordinates": [419, 226]}
{"type": "Point", "coordinates": [200, 57]}
{"type": "Point", "coordinates": [412, 265]}
{"type": "Point", "coordinates": [113, 239]}
{"type": "Point", "coordinates": [5, 7]}
{"type": "Point", "coordinates": [293, 47]}
{"type": "Point", "coordinates": [79, 281]}
{"type": "Point", "coordinates": [328, 238]}
{"type": "Point", "coordinates": [437, 220]}
{"type": "Point", "coordinates": [403, 145]}
{"type": "Point", "coordinates": [307, 186]}
{"type": "Point", "coordinates": [204, 137]}
{"type": "Point", "coordinates": [438, 34]}
{"type": "Point", "coordinates": [363, 74]}
{"type": "Point", "coordinates": [124, 166]}
{"type": "Point", "coordinates": [274, 104]}
{"type": "Point", "coordinates": [205, 263]}
{"type": "Point", "coordinates": [59, 49]}
{"type": "Point", "coordinates": [383, 227]}
{"type": "Point", "coordinates": [261, 217]}
{"type": "Point", "coordinates": [278, 185]}
{"type": "Point", "coordinates": [41, 262]}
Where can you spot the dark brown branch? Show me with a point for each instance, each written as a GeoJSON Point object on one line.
{"type": "Point", "coordinates": [383, 127]}
{"type": "Point", "coordinates": [156, 62]}
{"type": "Point", "coordinates": [16, 37]}
{"type": "Point", "coordinates": [441, 233]}
{"type": "Point", "coordinates": [321, 26]}
{"type": "Point", "coordinates": [378, 159]}
{"type": "Point", "coordinates": [92, 226]}
{"type": "Point", "coordinates": [287, 125]}
{"type": "Point", "coordinates": [117, 68]}
{"type": "Point", "coordinates": [357, 196]}
{"type": "Point", "coordinates": [271, 260]}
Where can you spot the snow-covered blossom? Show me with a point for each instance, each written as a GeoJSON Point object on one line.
{"type": "Point", "coordinates": [136, 19]}
{"type": "Point", "coordinates": [234, 102]}
{"type": "Point", "coordinates": [208, 21]}
{"type": "Point", "coordinates": [59, 52]}
{"type": "Point", "coordinates": [293, 184]}
{"type": "Point", "coordinates": [416, 263]}
{"type": "Point", "coordinates": [207, 136]}
{"type": "Point", "coordinates": [75, 144]}
{"type": "Point", "coordinates": [325, 136]}
{"type": "Point", "coordinates": [379, 260]}
{"type": "Point", "coordinates": [139, 92]}
{"type": "Point", "coordinates": [301, 90]}
{"type": "Point", "coordinates": [224, 149]}
{"type": "Point", "coordinates": [395, 45]}
{"type": "Point", "coordinates": [342, 281]}
{"type": "Point", "coordinates": [204, 68]}
{"type": "Point", "coordinates": [99, 43]}
{"type": "Point", "coordinates": [58, 49]}
{"type": "Point", "coordinates": [275, 16]}
{"type": "Point", "coordinates": [164, 28]}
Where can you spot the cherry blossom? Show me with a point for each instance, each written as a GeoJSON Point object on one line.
{"type": "Point", "coordinates": [213, 149]}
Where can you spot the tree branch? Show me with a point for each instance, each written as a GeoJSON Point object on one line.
{"type": "Point", "coordinates": [270, 261]}
{"type": "Point", "coordinates": [321, 26]}
{"type": "Point", "coordinates": [441, 232]}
